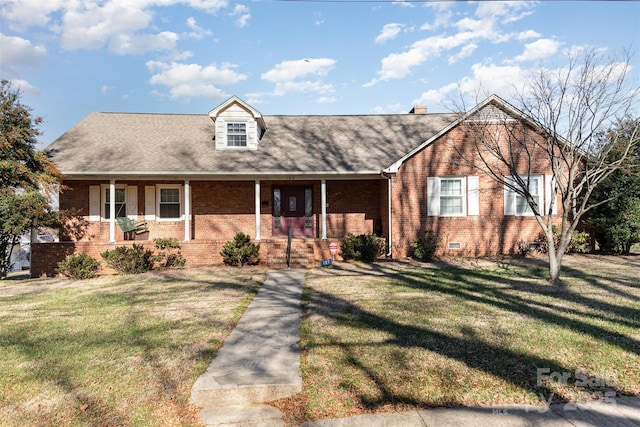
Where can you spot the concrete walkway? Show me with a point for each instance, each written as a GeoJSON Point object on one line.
{"type": "Point", "coordinates": [619, 412]}
{"type": "Point", "coordinates": [259, 361]}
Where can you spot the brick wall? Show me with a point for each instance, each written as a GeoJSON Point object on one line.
{"type": "Point", "coordinates": [489, 233]}
{"type": "Point", "coordinates": [305, 253]}
{"type": "Point", "coordinates": [353, 207]}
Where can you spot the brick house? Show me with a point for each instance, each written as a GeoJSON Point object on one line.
{"type": "Point", "coordinates": [203, 178]}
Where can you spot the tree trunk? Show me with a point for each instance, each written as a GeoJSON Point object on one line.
{"type": "Point", "coordinates": [555, 258]}
{"type": "Point", "coordinates": [554, 268]}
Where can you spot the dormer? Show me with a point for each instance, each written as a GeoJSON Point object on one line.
{"type": "Point", "coordinates": [238, 126]}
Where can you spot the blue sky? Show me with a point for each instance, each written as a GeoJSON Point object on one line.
{"type": "Point", "coordinates": [72, 57]}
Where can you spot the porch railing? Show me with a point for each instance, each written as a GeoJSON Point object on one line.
{"type": "Point", "coordinates": [289, 238]}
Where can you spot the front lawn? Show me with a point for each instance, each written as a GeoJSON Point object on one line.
{"type": "Point", "coordinates": [115, 350]}
{"type": "Point", "coordinates": [391, 337]}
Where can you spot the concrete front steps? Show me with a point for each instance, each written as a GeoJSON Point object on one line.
{"type": "Point", "coordinates": [302, 254]}
{"type": "Point", "coordinates": [260, 360]}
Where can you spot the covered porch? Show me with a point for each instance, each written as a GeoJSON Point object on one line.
{"type": "Point", "coordinates": [203, 214]}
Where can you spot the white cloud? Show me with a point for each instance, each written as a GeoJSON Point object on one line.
{"type": "Point", "coordinates": [24, 86]}
{"type": "Point", "coordinates": [211, 6]}
{"type": "Point", "coordinates": [306, 86]}
{"type": "Point", "coordinates": [541, 48]}
{"type": "Point", "coordinates": [399, 65]}
{"type": "Point", "coordinates": [255, 98]}
{"type": "Point", "coordinates": [403, 3]}
{"type": "Point", "coordinates": [197, 31]}
{"type": "Point", "coordinates": [465, 52]}
{"type": "Point", "coordinates": [91, 26]}
{"type": "Point", "coordinates": [123, 25]}
{"type": "Point", "coordinates": [290, 70]}
{"type": "Point", "coordinates": [435, 96]}
{"type": "Point", "coordinates": [241, 12]}
{"type": "Point", "coordinates": [491, 78]}
{"type": "Point", "coordinates": [302, 75]}
{"type": "Point", "coordinates": [192, 80]}
{"type": "Point", "coordinates": [486, 79]}
{"type": "Point", "coordinates": [16, 53]}
{"type": "Point", "coordinates": [443, 15]}
{"type": "Point", "coordinates": [327, 99]}
{"type": "Point", "coordinates": [389, 32]}
{"type": "Point", "coordinates": [390, 109]}
{"type": "Point", "coordinates": [136, 44]}
{"type": "Point", "coordinates": [471, 31]}
{"type": "Point", "coordinates": [509, 11]}
{"type": "Point", "coordinates": [105, 89]}
{"type": "Point", "coordinates": [23, 14]}
{"type": "Point", "coordinates": [529, 34]}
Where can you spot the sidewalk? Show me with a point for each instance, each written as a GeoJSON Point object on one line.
{"type": "Point", "coordinates": [260, 362]}
{"type": "Point", "coordinates": [621, 412]}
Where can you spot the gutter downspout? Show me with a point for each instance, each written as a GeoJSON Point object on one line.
{"type": "Point", "coordinates": [389, 203]}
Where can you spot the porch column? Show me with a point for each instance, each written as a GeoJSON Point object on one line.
{"type": "Point", "coordinates": [389, 215]}
{"type": "Point", "coordinates": [112, 211]}
{"type": "Point", "coordinates": [187, 211]}
{"type": "Point", "coordinates": [257, 205]}
{"type": "Point", "coordinates": [323, 202]}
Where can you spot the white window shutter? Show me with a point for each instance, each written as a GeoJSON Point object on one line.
{"type": "Point", "coordinates": [132, 201]}
{"type": "Point", "coordinates": [473, 196]}
{"type": "Point", "coordinates": [549, 181]}
{"type": "Point", "coordinates": [433, 196]}
{"type": "Point", "coordinates": [150, 202]}
{"type": "Point", "coordinates": [94, 203]}
{"type": "Point", "coordinates": [509, 197]}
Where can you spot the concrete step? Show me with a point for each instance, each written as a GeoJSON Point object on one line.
{"type": "Point", "coordinates": [206, 394]}
{"type": "Point", "coordinates": [247, 416]}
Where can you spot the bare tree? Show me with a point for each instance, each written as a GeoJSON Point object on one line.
{"type": "Point", "coordinates": [564, 126]}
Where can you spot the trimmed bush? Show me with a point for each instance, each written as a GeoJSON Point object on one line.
{"type": "Point", "coordinates": [168, 255]}
{"type": "Point", "coordinates": [365, 247]}
{"type": "Point", "coordinates": [129, 260]}
{"type": "Point", "coordinates": [240, 251]}
{"type": "Point", "coordinates": [425, 247]}
{"type": "Point", "coordinates": [79, 266]}
{"type": "Point", "coordinates": [580, 241]}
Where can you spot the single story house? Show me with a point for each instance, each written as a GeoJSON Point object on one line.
{"type": "Point", "coordinates": [203, 178]}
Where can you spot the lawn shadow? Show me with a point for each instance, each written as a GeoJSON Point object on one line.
{"type": "Point", "coordinates": [507, 292]}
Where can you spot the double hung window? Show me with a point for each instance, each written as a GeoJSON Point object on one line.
{"type": "Point", "coordinates": [236, 134]}
{"type": "Point", "coordinates": [120, 202]}
{"type": "Point", "coordinates": [169, 203]}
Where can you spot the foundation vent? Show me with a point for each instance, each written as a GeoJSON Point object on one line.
{"type": "Point", "coordinates": [454, 246]}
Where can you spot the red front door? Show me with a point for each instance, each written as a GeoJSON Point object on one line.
{"type": "Point", "coordinates": [290, 209]}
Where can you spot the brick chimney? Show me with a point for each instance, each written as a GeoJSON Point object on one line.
{"type": "Point", "coordinates": [419, 109]}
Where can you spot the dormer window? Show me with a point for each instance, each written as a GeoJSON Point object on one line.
{"type": "Point", "coordinates": [238, 126]}
{"type": "Point", "coordinates": [236, 134]}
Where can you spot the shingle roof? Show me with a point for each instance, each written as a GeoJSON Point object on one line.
{"type": "Point", "coordinates": [183, 144]}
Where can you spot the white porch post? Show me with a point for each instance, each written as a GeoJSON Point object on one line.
{"type": "Point", "coordinates": [389, 216]}
{"type": "Point", "coordinates": [112, 211]}
{"type": "Point", "coordinates": [257, 204]}
{"type": "Point", "coordinates": [323, 202]}
{"type": "Point", "coordinates": [187, 211]}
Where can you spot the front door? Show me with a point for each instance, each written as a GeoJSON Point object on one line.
{"type": "Point", "coordinates": [292, 208]}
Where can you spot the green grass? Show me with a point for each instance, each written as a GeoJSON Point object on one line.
{"type": "Point", "coordinates": [115, 350]}
{"type": "Point", "coordinates": [387, 336]}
